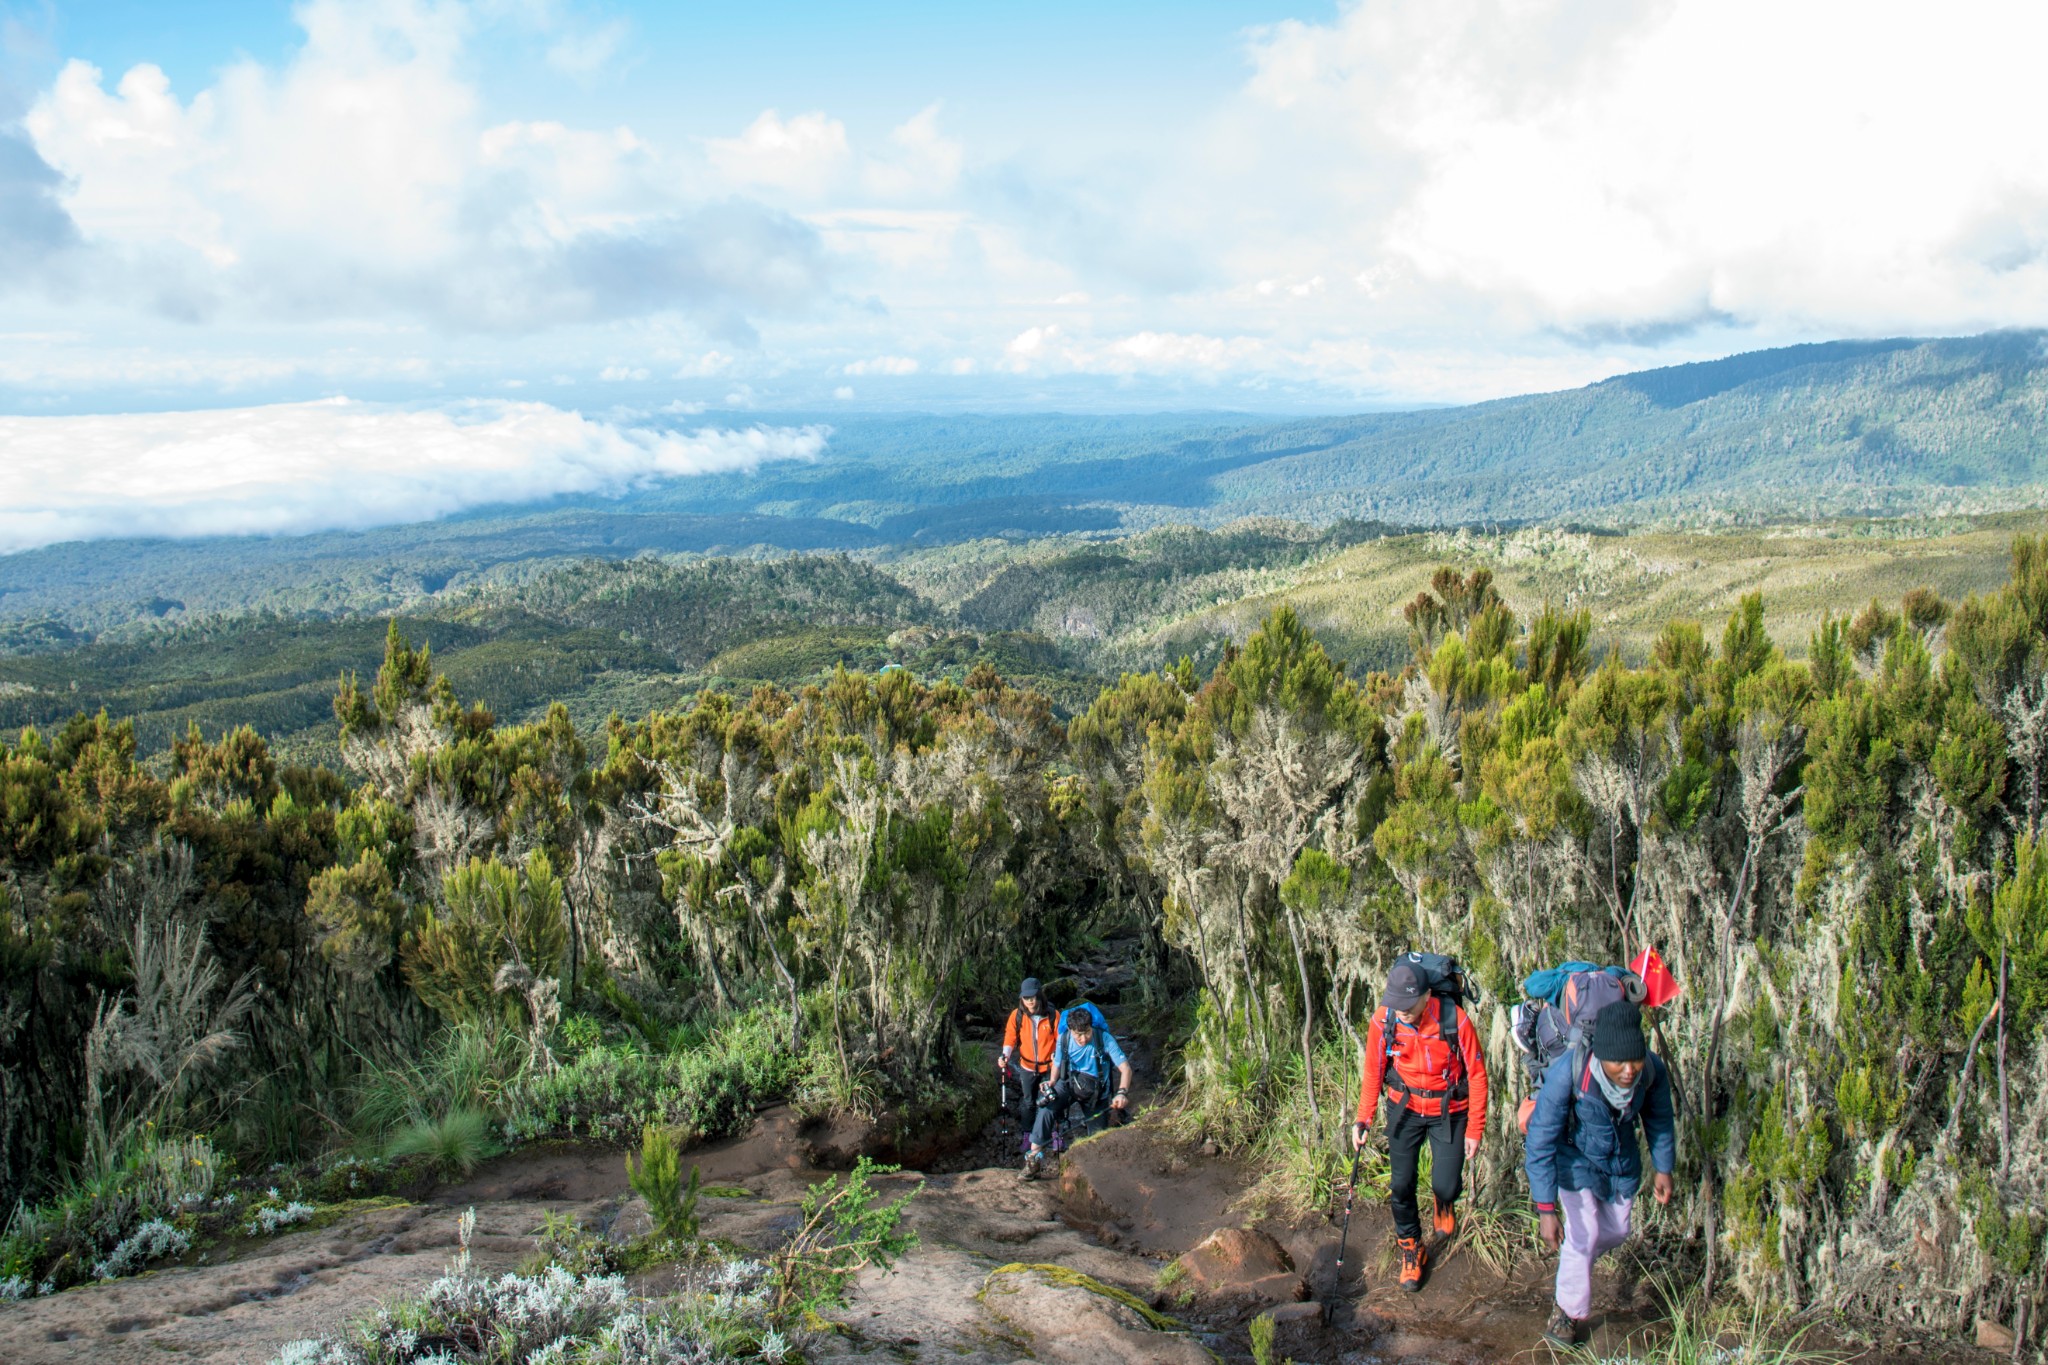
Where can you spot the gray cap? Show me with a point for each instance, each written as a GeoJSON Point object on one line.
{"type": "Point", "coordinates": [1028, 989]}
{"type": "Point", "coordinates": [1404, 988]}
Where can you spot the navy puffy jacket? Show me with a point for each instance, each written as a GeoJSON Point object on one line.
{"type": "Point", "coordinates": [1603, 1154]}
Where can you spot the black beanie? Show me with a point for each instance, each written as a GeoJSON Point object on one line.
{"type": "Point", "coordinates": [1618, 1033]}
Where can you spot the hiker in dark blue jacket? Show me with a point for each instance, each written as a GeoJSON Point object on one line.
{"type": "Point", "coordinates": [1584, 1159]}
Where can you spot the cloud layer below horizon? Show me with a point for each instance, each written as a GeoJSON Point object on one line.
{"type": "Point", "coordinates": [334, 465]}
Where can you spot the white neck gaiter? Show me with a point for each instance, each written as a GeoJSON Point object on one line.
{"type": "Point", "coordinates": [1617, 1096]}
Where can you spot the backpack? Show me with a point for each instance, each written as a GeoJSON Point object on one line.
{"type": "Point", "coordinates": [1557, 1017]}
{"type": "Point", "coordinates": [1095, 1045]}
{"type": "Point", "coordinates": [1443, 977]}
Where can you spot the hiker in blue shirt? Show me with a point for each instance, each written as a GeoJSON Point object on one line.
{"type": "Point", "coordinates": [1080, 1074]}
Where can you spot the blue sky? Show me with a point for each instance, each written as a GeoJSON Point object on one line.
{"type": "Point", "coordinates": [646, 213]}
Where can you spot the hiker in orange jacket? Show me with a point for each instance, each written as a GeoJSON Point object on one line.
{"type": "Point", "coordinates": [1435, 1090]}
{"type": "Point", "coordinates": [1028, 1041]}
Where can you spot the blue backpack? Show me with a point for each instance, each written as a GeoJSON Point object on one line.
{"type": "Point", "coordinates": [1096, 1046]}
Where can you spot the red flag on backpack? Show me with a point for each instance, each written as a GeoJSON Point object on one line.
{"type": "Point", "coordinates": [1660, 987]}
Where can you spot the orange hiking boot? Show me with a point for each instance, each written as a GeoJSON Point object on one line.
{"type": "Point", "coordinates": [1413, 1259]}
{"type": "Point", "coordinates": [1446, 1219]}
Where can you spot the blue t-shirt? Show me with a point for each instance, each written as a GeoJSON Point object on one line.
{"type": "Point", "coordinates": [1081, 1057]}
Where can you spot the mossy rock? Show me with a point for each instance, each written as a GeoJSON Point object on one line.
{"type": "Point", "coordinates": [1107, 1324]}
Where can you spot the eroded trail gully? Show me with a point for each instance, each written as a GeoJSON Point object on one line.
{"type": "Point", "coordinates": [1124, 1205]}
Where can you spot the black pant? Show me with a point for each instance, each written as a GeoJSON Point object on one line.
{"type": "Point", "coordinates": [1024, 1094]}
{"type": "Point", "coordinates": [1076, 1087]}
{"type": "Point", "coordinates": [1405, 1132]}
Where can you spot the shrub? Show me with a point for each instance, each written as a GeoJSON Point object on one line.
{"type": "Point", "coordinates": [458, 1142]}
{"type": "Point", "coordinates": [720, 1314]}
{"type": "Point", "coordinates": [471, 1065]}
{"type": "Point", "coordinates": [843, 1230]}
{"type": "Point", "coordinates": [565, 1242]}
{"type": "Point", "coordinates": [275, 1213]}
{"type": "Point", "coordinates": [658, 1179]}
{"type": "Point", "coordinates": [613, 1091]}
{"type": "Point", "coordinates": [152, 1241]}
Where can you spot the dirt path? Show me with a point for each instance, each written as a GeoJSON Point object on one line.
{"type": "Point", "coordinates": [1125, 1204]}
{"type": "Point", "coordinates": [993, 1279]}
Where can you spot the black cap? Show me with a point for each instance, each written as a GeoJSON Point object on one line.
{"type": "Point", "coordinates": [1404, 988]}
{"type": "Point", "coordinates": [1029, 988]}
{"type": "Point", "coordinates": [1618, 1033]}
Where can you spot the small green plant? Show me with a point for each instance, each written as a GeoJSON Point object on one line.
{"type": "Point", "coordinates": [671, 1202]}
{"type": "Point", "coordinates": [844, 1229]}
{"type": "Point", "coordinates": [1262, 1340]}
{"type": "Point", "coordinates": [565, 1242]}
{"type": "Point", "coordinates": [458, 1142]}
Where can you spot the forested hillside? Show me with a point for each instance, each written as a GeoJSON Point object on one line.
{"type": "Point", "coordinates": [477, 932]}
{"type": "Point", "coordinates": [1892, 428]}
{"type": "Point", "coordinates": [599, 636]}
{"type": "Point", "coordinates": [1065, 615]}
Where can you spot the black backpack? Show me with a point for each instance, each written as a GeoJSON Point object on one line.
{"type": "Point", "coordinates": [1446, 979]}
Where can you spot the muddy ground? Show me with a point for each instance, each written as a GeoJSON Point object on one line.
{"type": "Point", "coordinates": [1121, 1208]}
{"type": "Point", "coordinates": [1124, 1206]}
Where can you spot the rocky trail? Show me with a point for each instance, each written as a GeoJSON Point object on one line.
{"type": "Point", "coordinates": [1135, 1251]}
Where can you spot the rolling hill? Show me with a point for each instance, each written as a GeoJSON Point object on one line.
{"type": "Point", "coordinates": [1886, 428]}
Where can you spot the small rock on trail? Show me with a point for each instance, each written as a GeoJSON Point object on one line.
{"type": "Point", "coordinates": [1242, 1262]}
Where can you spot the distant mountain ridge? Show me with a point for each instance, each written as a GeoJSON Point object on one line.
{"type": "Point", "coordinates": [1879, 427]}
{"type": "Point", "coordinates": [1836, 428]}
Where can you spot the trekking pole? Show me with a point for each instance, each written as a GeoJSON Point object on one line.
{"type": "Point", "coordinates": [1349, 1190]}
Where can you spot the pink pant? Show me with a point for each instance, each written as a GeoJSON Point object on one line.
{"type": "Point", "coordinates": [1591, 1226]}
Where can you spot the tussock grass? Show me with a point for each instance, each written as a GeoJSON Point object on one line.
{"type": "Point", "coordinates": [458, 1142]}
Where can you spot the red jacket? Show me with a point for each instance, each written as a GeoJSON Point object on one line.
{"type": "Point", "coordinates": [1033, 1038]}
{"type": "Point", "coordinates": [1423, 1062]}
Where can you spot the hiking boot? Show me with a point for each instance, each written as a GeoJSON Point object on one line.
{"type": "Point", "coordinates": [1034, 1163]}
{"type": "Point", "coordinates": [1413, 1259]}
{"type": "Point", "coordinates": [1562, 1329]}
{"type": "Point", "coordinates": [1446, 1219]}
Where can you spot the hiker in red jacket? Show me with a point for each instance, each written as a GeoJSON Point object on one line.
{"type": "Point", "coordinates": [1436, 1089]}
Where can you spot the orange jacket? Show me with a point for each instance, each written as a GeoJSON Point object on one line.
{"type": "Point", "coordinates": [1423, 1062]}
{"type": "Point", "coordinates": [1032, 1037]}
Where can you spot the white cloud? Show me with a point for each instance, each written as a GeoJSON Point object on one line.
{"type": "Point", "coordinates": [919, 161]}
{"type": "Point", "coordinates": [333, 464]}
{"type": "Point", "coordinates": [1407, 199]}
{"type": "Point", "coordinates": [884, 364]}
{"type": "Point", "coordinates": [620, 374]}
{"type": "Point", "coordinates": [1820, 165]}
{"type": "Point", "coordinates": [843, 392]}
{"type": "Point", "coordinates": [358, 179]}
{"type": "Point", "coordinates": [807, 154]}
{"type": "Point", "coordinates": [704, 366]}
